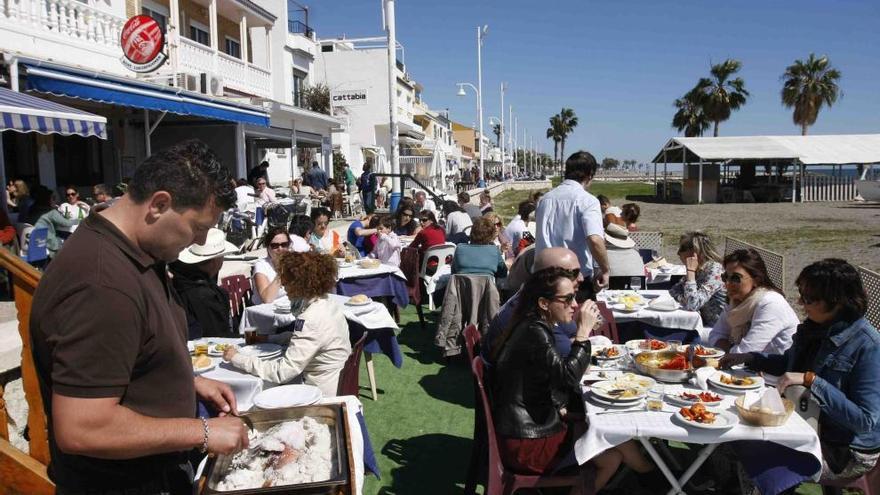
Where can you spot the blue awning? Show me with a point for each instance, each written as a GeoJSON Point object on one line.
{"type": "Point", "coordinates": [25, 113]}
{"type": "Point", "coordinates": [140, 95]}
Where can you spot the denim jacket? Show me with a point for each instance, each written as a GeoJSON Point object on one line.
{"type": "Point", "coordinates": [846, 387]}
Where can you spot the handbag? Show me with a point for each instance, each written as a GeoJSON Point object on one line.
{"type": "Point", "coordinates": [805, 404]}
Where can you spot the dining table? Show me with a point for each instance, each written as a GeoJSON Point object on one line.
{"type": "Point", "coordinates": [672, 322]}
{"type": "Point", "coordinates": [382, 281]}
{"type": "Point", "coordinates": [665, 274]}
{"type": "Point", "coordinates": [611, 425]}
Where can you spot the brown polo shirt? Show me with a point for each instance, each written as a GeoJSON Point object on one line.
{"type": "Point", "coordinates": [106, 323]}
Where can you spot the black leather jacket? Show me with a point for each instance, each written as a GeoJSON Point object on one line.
{"type": "Point", "coordinates": [531, 381]}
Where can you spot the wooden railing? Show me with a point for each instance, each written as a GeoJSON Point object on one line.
{"type": "Point", "coordinates": [19, 472]}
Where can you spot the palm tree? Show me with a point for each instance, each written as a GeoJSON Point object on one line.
{"type": "Point", "coordinates": [496, 129]}
{"type": "Point", "coordinates": [807, 85]}
{"type": "Point", "coordinates": [567, 122]}
{"type": "Point", "coordinates": [553, 133]}
{"type": "Point", "coordinates": [690, 117]}
{"type": "Point", "coordinates": [723, 95]}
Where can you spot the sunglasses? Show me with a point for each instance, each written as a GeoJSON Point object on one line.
{"type": "Point", "coordinates": [279, 245]}
{"type": "Point", "coordinates": [733, 278]}
{"type": "Point", "coordinates": [405, 214]}
{"type": "Point", "coordinates": [567, 299]}
{"type": "Point", "coordinates": [70, 194]}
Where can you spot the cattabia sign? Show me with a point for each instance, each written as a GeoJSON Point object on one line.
{"type": "Point", "coordinates": [142, 42]}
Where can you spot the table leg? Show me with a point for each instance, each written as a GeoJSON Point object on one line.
{"type": "Point", "coordinates": [661, 464]}
{"type": "Point", "coordinates": [371, 373]}
{"type": "Point", "coordinates": [701, 458]}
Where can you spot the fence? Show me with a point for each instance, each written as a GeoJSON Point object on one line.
{"type": "Point", "coordinates": [775, 262]}
{"type": "Point", "coordinates": [647, 240]}
{"type": "Point", "coordinates": [871, 282]}
{"type": "Point", "coordinates": [828, 188]}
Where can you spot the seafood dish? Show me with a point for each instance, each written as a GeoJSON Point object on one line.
{"type": "Point", "coordinates": [608, 353]}
{"type": "Point", "coordinates": [735, 380]}
{"type": "Point", "coordinates": [698, 413]}
{"type": "Point", "coordinates": [706, 397]}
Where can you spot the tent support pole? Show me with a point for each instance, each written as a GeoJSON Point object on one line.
{"type": "Point", "coordinates": [700, 184]}
{"type": "Point", "coordinates": [665, 179]}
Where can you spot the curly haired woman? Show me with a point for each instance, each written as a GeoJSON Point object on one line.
{"type": "Point", "coordinates": [319, 350]}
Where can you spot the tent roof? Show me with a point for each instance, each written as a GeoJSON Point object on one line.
{"type": "Point", "coordinates": [809, 150]}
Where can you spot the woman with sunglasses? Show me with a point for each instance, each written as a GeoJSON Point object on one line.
{"type": "Point", "coordinates": [405, 221]}
{"type": "Point", "coordinates": [835, 355]}
{"type": "Point", "coordinates": [267, 284]}
{"type": "Point", "coordinates": [757, 318]}
{"type": "Point", "coordinates": [481, 256]}
{"type": "Point", "coordinates": [72, 207]}
{"type": "Point", "coordinates": [702, 289]}
{"type": "Point", "coordinates": [532, 382]}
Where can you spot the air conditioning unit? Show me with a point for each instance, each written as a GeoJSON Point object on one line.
{"type": "Point", "coordinates": [187, 81]}
{"type": "Point", "coordinates": [211, 84]}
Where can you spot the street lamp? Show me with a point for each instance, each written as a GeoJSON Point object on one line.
{"type": "Point", "coordinates": [461, 92]}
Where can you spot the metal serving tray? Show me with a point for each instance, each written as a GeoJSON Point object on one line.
{"type": "Point", "coordinates": [669, 376]}
{"type": "Point", "coordinates": [330, 414]}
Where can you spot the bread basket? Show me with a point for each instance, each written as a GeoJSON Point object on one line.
{"type": "Point", "coordinates": [758, 418]}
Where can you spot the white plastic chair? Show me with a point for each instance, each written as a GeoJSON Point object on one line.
{"type": "Point", "coordinates": [24, 235]}
{"type": "Point", "coordinates": [441, 253]}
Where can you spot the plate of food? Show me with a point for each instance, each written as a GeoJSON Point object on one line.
{"type": "Point", "coordinates": [615, 403]}
{"type": "Point", "coordinates": [698, 416]}
{"type": "Point", "coordinates": [203, 363]}
{"type": "Point", "coordinates": [369, 264]}
{"type": "Point", "coordinates": [217, 350]}
{"type": "Point", "coordinates": [707, 352]}
{"type": "Point", "coordinates": [620, 390]}
{"type": "Point", "coordinates": [609, 353]}
{"type": "Point", "coordinates": [653, 345]}
{"type": "Point", "coordinates": [358, 300]}
{"type": "Point", "coordinates": [689, 398]}
{"type": "Point", "coordinates": [628, 308]}
{"type": "Point", "coordinates": [736, 381]}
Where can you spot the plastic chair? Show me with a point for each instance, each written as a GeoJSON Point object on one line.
{"type": "Point", "coordinates": [442, 254]}
{"type": "Point", "coordinates": [259, 217]}
{"type": "Point", "coordinates": [499, 479]}
{"type": "Point", "coordinates": [37, 253]}
{"type": "Point", "coordinates": [24, 233]}
{"type": "Point", "coordinates": [864, 483]}
{"type": "Point", "coordinates": [349, 376]}
{"type": "Point", "coordinates": [609, 326]}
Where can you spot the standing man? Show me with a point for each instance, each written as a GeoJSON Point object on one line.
{"type": "Point", "coordinates": [464, 201]}
{"type": "Point", "coordinates": [349, 179]}
{"type": "Point", "coordinates": [569, 216]}
{"type": "Point", "coordinates": [367, 184]}
{"type": "Point", "coordinates": [109, 337]}
{"type": "Point", "coordinates": [317, 177]}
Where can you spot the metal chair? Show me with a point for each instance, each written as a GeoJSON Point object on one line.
{"type": "Point", "coordinates": [775, 262]}
{"type": "Point", "coordinates": [499, 479]}
{"type": "Point", "coordinates": [871, 282]}
{"type": "Point", "coordinates": [476, 468]}
{"type": "Point", "coordinates": [349, 377]}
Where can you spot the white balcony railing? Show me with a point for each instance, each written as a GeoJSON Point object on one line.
{"type": "Point", "coordinates": [68, 18]}
{"type": "Point", "coordinates": [245, 77]}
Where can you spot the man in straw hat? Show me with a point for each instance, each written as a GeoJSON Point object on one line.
{"type": "Point", "coordinates": [195, 279]}
{"type": "Point", "coordinates": [623, 258]}
{"type": "Point", "coordinates": [109, 337]}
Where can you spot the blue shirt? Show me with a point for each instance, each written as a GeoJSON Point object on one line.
{"type": "Point", "coordinates": [318, 178]}
{"type": "Point", "coordinates": [561, 333]}
{"type": "Point", "coordinates": [354, 239]}
{"type": "Point", "coordinates": [566, 217]}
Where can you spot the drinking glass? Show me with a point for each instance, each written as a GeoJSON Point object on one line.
{"type": "Point", "coordinates": [674, 345]}
{"type": "Point", "coordinates": [655, 398]}
{"type": "Point", "coordinates": [201, 349]}
{"type": "Point", "coordinates": [250, 336]}
{"type": "Point", "coordinates": [635, 283]}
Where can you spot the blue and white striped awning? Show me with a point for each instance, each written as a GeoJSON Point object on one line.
{"type": "Point", "coordinates": [25, 113]}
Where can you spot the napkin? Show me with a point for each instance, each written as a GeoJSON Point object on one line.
{"type": "Point", "coordinates": [663, 302]}
{"type": "Point", "coordinates": [768, 400]}
{"type": "Point", "coordinates": [600, 341]}
{"type": "Point", "coordinates": [701, 377]}
{"type": "Point", "coordinates": [656, 263]}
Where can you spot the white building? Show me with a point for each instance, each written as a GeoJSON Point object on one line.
{"type": "Point", "coordinates": [230, 79]}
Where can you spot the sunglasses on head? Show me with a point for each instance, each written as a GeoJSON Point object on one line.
{"type": "Point", "coordinates": [279, 245]}
{"type": "Point", "coordinates": [734, 278]}
{"type": "Point", "coordinates": [566, 299]}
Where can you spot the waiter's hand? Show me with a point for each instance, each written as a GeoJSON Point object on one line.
{"type": "Point", "coordinates": [217, 394]}
{"type": "Point", "coordinates": [227, 435]}
{"type": "Point", "coordinates": [600, 281]}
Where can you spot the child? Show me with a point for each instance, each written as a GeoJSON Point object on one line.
{"type": "Point", "coordinates": [388, 248]}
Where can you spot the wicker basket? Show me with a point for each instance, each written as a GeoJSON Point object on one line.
{"type": "Point", "coordinates": [757, 418]}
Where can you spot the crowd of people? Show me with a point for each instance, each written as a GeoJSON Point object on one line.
{"type": "Point", "coordinates": [107, 337]}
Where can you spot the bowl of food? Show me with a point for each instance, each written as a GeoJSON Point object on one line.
{"type": "Point", "coordinates": [369, 263]}
{"type": "Point", "coordinates": [666, 366]}
{"type": "Point", "coordinates": [763, 416]}
{"type": "Point", "coordinates": [359, 300]}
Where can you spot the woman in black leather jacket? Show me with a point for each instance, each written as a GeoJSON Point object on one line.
{"type": "Point", "coordinates": [532, 382]}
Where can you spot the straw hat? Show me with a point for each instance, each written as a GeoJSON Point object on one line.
{"type": "Point", "coordinates": [618, 236]}
{"type": "Point", "coordinates": [215, 245]}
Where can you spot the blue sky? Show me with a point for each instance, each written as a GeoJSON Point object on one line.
{"type": "Point", "coordinates": [620, 64]}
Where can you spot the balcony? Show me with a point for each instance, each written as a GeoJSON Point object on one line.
{"type": "Point", "coordinates": [238, 75]}
{"type": "Point", "coordinates": [297, 27]}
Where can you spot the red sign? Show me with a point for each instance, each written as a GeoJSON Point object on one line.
{"type": "Point", "coordinates": [142, 42]}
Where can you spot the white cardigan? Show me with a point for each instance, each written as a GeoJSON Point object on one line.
{"type": "Point", "coordinates": [318, 351]}
{"type": "Point", "coordinates": [771, 330]}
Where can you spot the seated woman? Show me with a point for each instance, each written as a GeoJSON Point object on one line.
{"type": "Point", "coordinates": [702, 289]}
{"type": "Point", "coordinates": [758, 318]}
{"type": "Point", "coordinates": [405, 221]}
{"type": "Point", "coordinates": [300, 230]}
{"type": "Point", "coordinates": [481, 256]}
{"type": "Point", "coordinates": [267, 283]}
{"type": "Point", "coordinates": [623, 258]}
{"type": "Point", "coordinates": [630, 214]}
{"type": "Point", "coordinates": [43, 214]}
{"type": "Point", "coordinates": [430, 235]}
{"type": "Point", "coordinates": [532, 382]}
{"type": "Point", "coordinates": [324, 239]}
{"type": "Point", "coordinates": [836, 355]}
{"type": "Point", "coordinates": [194, 276]}
{"type": "Point", "coordinates": [319, 350]}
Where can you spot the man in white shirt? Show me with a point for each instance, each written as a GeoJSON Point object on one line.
{"type": "Point", "coordinates": [569, 216]}
{"type": "Point", "coordinates": [266, 193]}
{"type": "Point", "coordinates": [244, 195]}
{"type": "Point", "coordinates": [458, 223]}
{"type": "Point", "coordinates": [424, 204]}
{"type": "Point", "coordinates": [518, 225]}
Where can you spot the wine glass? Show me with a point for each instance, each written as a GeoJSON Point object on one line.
{"type": "Point", "coordinates": [635, 283]}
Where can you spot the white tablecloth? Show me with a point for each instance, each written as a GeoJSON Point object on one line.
{"type": "Point", "coordinates": [657, 276]}
{"type": "Point", "coordinates": [608, 430]}
{"type": "Point", "coordinates": [358, 272]}
{"type": "Point", "coordinates": [373, 316]}
{"type": "Point", "coordinates": [678, 319]}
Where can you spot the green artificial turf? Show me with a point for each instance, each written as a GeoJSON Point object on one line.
{"type": "Point", "coordinates": [506, 203]}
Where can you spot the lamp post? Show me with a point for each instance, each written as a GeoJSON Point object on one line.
{"type": "Point", "coordinates": [479, 141]}
{"type": "Point", "coordinates": [501, 137]}
{"type": "Point", "coordinates": [390, 26]}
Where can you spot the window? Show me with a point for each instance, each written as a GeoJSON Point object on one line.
{"type": "Point", "coordinates": [199, 33]}
{"type": "Point", "coordinates": [299, 79]}
{"type": "Point", "coordinates": [162, 19]}
{"type": "Point", "coordinates": [233, 47]}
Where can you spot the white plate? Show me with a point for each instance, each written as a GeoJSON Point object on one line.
{"type": "Point", "coordinates": [214, 351]}
{"type": "Point", "coordinates": [662, 307]}
{"type": "Point", "coordinates": [213, 365]}
{"type": "Point", "coordinates": [723, 420]}
{"type": "Point", "coordinates": [263, 350]}
{"type": "Point", "coordinates": [349, 303]}
{"type": "Point", "coordinates": [600, 389]}
{"type": "Point", "coordinates": [677, 400]}
{"type": "Point", "coordinates": [633, 345]}
{"type": "Point", "coordinates": [287, 396]}
{"type": "Point", "coordinates": [716, 380]}
{"type": "Point", "coordinates": [716, 353]}
{"type": "Point", "coordinates": [616, 404]}
{"type": "Point", "coordinates": [621, 351]}
{"type": "Point", "coordinates": [344, 264]}
{"type": "Point", "coordinates": [623, 309]}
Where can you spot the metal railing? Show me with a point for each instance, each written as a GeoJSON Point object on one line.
{"type": "Point", "coordinates": [438, 200]}
{"type": "Point", "coordinates": [297, 27]}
